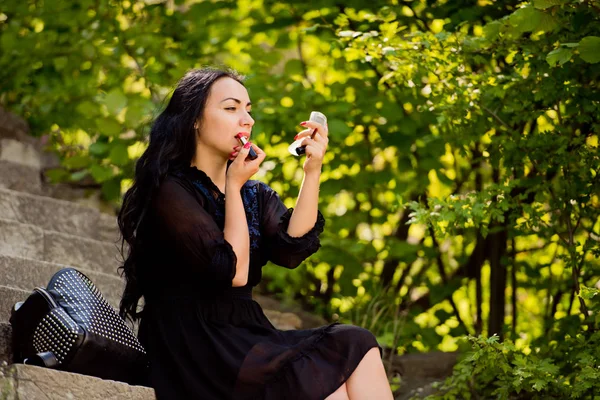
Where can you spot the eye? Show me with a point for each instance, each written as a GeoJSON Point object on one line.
{"type": "Point", "coordinates": [233, 108]}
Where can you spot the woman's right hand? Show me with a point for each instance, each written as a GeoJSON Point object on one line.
{"type": "Point", "coordinates": [241, 169]}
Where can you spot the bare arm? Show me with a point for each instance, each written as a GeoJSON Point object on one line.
{"type": "Point", "coordinates": [305, 213]}
{"type": "Point", "coordinates": [236, 233]}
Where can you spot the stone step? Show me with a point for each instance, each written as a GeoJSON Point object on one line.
{"type": "Point", "coordinates": [20, 177]}
{"type": "Point", "coordinates": [19, 381]}
{"type": "Point", "coordinates": [20, 165]}
{"type": "Point", "coordinates": [57, 215]}
{"type": "Point", "coordinates": [26, 274]}
{"type": "Point", "coordinates": [29, 241]}
{"type": "Point", "coordinates": [6, 354]}
{"type": "Point", "coordinates": [8, 297]}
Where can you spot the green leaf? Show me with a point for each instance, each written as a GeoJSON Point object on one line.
{"type": "Point", "coordinates": [547, 23]}
{"type": "Point", "coordinates": [87, 108]}
{"type": "Point", "coordinates": [293, 67]}
{"type": "Point", "coordinates": [60, 62]}
{"type": "Point", "coordinates": [588, 293]}
{"type": "Point", "coordinates": [134, 115]}
{"type": "Point", "coordinates": [311, 29]}
{"type": "Point", "coordinates": [77, 162]}
{"type": "Point", "coordinates": [492, 30]}
{"type": "Point", "coordinates": [118, 155]}
{"type": "Point", "coordinates": [338, 128]}
{"type": "Point", "coordinates": [108, 126]}
{"type": "Point", "coordinates": [589, 49]}
{"type": "Point", "coordinates": [526, 19]}
{"type": "Point", "coordinates": [56, 175]}
{"type": "Point", "coordinates": [539, 384]}
{"type": "Point", "coordinates": [99, 149]}
{"type": "Point", "coordinates": [79, 175]}
{"type": "Point", "coordinates": [101, 173]}
{"type": "Point", "coordinates": [560, 55]}
{"type": "Point", "coordinates": [115, 101]}
{"type": "Point", "coordinates": [112, 189]}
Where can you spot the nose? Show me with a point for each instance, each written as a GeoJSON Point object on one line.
{"type": "Point", "coordinates": [247, 120]}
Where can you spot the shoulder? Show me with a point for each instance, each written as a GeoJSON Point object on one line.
{"type": "Point", "coordinates": [173, 182]}
{"type": "Point", "coordinates": [176, 186]}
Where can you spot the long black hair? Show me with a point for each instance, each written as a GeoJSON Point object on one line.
{"type": "Point", "coordinates": [172, 145]}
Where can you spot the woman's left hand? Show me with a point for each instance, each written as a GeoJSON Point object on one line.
{"type": "Point", "coordinates": [315, 147]}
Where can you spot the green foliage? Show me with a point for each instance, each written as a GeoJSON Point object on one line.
{"type": "Point", "coordinates": [560, 366]}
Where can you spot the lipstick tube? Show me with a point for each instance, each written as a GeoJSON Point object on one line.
{"type": "Point", "coordinates": [252, 154]}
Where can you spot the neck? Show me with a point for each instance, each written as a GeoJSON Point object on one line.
{"type": "Point", "coordinates": [213, 165]}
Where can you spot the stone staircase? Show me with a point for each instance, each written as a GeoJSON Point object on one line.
{"type": "Point", "coordinates": [41, 234]}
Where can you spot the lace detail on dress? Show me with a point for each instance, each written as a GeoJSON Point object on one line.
{"type": "Point", "coordinates": [250, 200]}
{"type": "Point", "coordinates": [218, 203]}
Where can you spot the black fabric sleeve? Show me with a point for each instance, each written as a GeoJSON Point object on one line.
{"type": "Point", "coordinates": [283, 249]}
{"type": "Point", "coordinates": [197, 239]}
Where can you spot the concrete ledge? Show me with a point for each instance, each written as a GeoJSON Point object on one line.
{"type": "Point", "coordinates": [6, 354]}
{"type": "Point", "coordinates": [20, 177]}
{"type": "Point", "coordinates": [20, 381]}
{"type": "Point", "coordinates": [51, 214]}
{"type": "Point", "coordinates": [90, 254]}
{"type": "Point", "coordinates": [8, 297]}
{"type": "Point", "coordinates": [21, 240]}
{"type": "Point", "coordinates": [17, 152]}
{"type": "Point", "coordinates": [29, 241]}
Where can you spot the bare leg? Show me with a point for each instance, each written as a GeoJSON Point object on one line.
{"type": "Point", "coordinates": [369, 381]}
{"type": "Point", "coordinates": [340, 394]}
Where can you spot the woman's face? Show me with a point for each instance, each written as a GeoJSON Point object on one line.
{"type": "Point", "coordinates": [227, 113]}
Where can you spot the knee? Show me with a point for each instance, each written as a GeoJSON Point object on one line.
{"type": "Point", "coordinates": [369, 340]}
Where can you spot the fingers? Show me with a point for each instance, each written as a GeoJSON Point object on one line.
{"type": "Point", "coordinates": [304, 133]}
{"type": "Point", "coordinates": [257, 150]}
{"type": "Point", "coordinates": [317, 139]}
{"type": "Point", "coordinates": [312, 125]}
{"type": "Point", "coordinates": [237, 150]}
{"type": "Point", "coordinates": [260, 157]}
{"type": "Point", "coordinates": [314, 148]}
{"type": "Point", "coordinates": [240, 154]}
{"type": "Point", "coordinates": [261, 154]}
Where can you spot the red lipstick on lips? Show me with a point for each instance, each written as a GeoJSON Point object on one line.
{"type": "Point", "coordinates": [252, 154]}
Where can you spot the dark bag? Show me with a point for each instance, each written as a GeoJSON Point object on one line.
{"type": "Point", "coordinates": [71, 327]}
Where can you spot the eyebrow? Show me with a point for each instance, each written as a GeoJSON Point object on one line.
{"type": "Point", "coordinates": [236, 100]}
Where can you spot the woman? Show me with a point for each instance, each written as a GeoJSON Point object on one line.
{"type": "Point", "coordinates": [195, 257]}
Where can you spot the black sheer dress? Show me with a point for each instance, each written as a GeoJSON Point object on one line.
{"type": "Point", "coordinates": [209, 340]}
